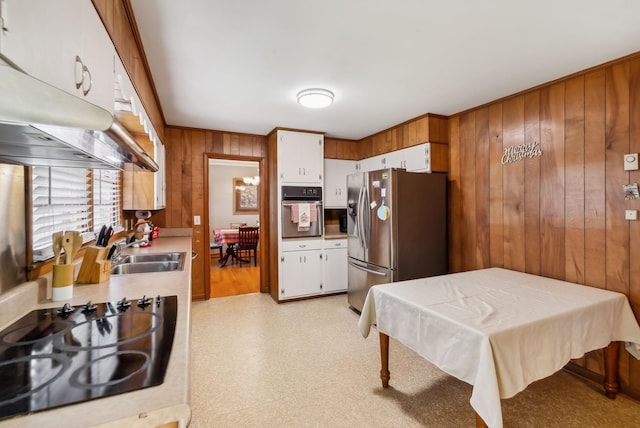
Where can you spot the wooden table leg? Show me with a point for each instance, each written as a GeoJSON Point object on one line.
{"type": "Point", "coordinates": [479, 422]}
{"type": "Point", "coordinates": [384, 359]}
{"type": "Point", "coordinates": [611, 353]}
{"type": "Point", "coordinates": [223, 261]}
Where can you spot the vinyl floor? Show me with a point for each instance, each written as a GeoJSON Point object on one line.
{"type": "Point", "coordinates": [256, 363]}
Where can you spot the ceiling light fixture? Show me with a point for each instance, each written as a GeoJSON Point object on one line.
{"type": "Point", "coordinates": [315, 98]}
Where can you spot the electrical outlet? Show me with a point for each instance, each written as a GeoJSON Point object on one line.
{"type": "Point", "coordinates": [196, 220]}
{"type": "Point", "coordinates": [631, 214]}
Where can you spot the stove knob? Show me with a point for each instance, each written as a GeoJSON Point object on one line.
{"type": "Point", "coordinates": [89, 307]}
{"type": "Point", "coordinates": [144, 302]}
{"type": "Point", "coordinates": [123, 304]}
{"type": "Point", "coordinates": [65, 311]}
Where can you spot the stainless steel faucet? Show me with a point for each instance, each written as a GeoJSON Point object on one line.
{"type": "Point", "coordinates": [120, 246]}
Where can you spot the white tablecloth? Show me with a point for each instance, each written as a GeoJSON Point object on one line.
{"type": "Point", "coordinates": [497, 329]}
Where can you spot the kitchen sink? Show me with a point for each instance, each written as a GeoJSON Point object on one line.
{"type": "Point", "coordinates": [152, 257]}
{"type": "Point", "coordinates": [148, 263]}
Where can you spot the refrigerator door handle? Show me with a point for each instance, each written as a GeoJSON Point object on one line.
{"type": "Point", "coordinates": [375, 272]}
{"type": "Point", "coordinates": [362, 210]}
{"type": "Point", "coordinates": [366, 228]}
{"type": "Point", "coordinates": [359, 214]}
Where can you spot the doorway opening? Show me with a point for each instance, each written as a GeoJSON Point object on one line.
{"type": "Point", "coordinates": [233, 202]}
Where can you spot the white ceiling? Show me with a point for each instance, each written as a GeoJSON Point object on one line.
{"type": "Point", "coordinates": [237, 65]}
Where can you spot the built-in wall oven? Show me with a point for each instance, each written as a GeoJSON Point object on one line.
{"type": "Point", "coordinates": [301, 212]}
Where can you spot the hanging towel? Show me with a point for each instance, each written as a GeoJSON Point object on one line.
{"type": "Point", "coordinates": [303, 215]}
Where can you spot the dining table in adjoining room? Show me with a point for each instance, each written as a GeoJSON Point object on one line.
{"type": "Point", "coordinates": [228, 237]}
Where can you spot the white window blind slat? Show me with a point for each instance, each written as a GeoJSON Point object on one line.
{"type": "Point", "coordinates": [60, 197]}
{"type": "Point", "coordinates": [72, 199]}
{"type": "Point", "coordinates": [106, 198]}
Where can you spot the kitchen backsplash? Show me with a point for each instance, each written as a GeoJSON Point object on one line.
{"type": "Point", "coordinates": [13, 246]}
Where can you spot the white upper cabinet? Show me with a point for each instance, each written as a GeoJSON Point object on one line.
{"type": "Point", "coordinates": [63, 43]}
{"type": "Point", "coordinates": [300, 157]}
{"type": "Point", "coordinates": [373, 163]}
{"type": "Point", "coordinates": [335, 182]}
{"type": "Point", "coordinates": [417, 158]}
{"type": "Point", "coordinates": [160, 177]}
{"type": "Point", "coordinates": [414, 159]}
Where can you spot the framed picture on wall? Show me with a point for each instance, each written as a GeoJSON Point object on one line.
{"type": "Point", "coordinates": [246, 195]}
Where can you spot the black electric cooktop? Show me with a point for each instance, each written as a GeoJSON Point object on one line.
{"type": "Point", "coordinates": [60, 356]}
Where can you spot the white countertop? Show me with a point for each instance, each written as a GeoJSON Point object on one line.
{"type": "Point", "coordinates": [147, 407]}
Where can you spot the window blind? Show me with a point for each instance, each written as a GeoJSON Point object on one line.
{"type": "Point", "coordinates": [61, 198]}
{"type": "Point", "coordinates": [106, 198]}
{"type": "Point", "coordinates": [72, 199]}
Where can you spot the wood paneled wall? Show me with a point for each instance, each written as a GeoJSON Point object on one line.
{"type": "Point", "coordinates": [187, 192]}
{"type": "Point", "coordinates": [336, 148]}
{"type": "Point", "coordinates": [560, 215]}
{"type": "Point", "coordinates": [426, 128]}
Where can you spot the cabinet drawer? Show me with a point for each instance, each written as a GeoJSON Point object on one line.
{"type": "Point", "coordinates": [334, 243]}
{"type": "Point", "coordinates": [300, 245]}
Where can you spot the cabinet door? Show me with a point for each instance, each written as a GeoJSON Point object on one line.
{"type": "Point", "coordinates": [416, 158]}
{"type": "Point", "coordinates": [98, 55]}
{"type": "Point", "coordinates": [160, 178]}
{"type": "Point", "coordinates": [290, 274]}
{"type": "Point", "coordinates": [335, 270]}
{"type": "Point", "coordinates": [44, 38]}
{"type": "Point", "coordinates": [312, 271]}
{"type": "Point", "coordinates": [394, 159]}
{"type": "Point", "coordinates": [139, 187]}
{"type": "Point", "coordinates": [300, 157]}
{"type": "Point", "coordinates": [335, 182]}
{"type": "Point", "coordinates": [373, 163]}
{"type": "Point", "coordinates": [35, 41]}
{"type": "Point", "coordinates": [300, 273]}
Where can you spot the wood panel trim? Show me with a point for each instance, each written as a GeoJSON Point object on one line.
{"type": "Point", "coordinates": [128, 9]}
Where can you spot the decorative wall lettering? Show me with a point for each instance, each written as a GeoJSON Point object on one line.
{"type": "Point", "coordinates": [517, 153]}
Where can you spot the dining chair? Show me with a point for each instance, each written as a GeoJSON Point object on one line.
{"type": "Point", "coordinates": [213, 247]}
{"type": "Point", "coordinates": [247, 242]}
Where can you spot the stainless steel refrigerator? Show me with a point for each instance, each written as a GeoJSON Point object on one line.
{"type": "Point", "coordinates": [396, 227]}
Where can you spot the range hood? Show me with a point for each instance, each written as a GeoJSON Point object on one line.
{"type": "Point", "coordinates": [41, 125]}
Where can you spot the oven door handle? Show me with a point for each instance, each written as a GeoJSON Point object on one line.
{"type": "Point", "coordinates": [290, 204]}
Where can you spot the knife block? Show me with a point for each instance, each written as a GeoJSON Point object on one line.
{"type": "Point", "coordinates": [94, 268]}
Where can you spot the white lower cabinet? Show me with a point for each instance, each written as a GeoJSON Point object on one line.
{"type": "Point", "coordinates": [300, 270]}
{"type": "Point", "coordinates": [334, 267]}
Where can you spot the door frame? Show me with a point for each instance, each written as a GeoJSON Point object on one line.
{"type": "Point", "coordinates": [262, 215]}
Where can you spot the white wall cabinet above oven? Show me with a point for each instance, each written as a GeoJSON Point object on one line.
{"type": "Point", "coordinates": [63, 43]}
{"type": "Point", "coordinates": [300, 157]}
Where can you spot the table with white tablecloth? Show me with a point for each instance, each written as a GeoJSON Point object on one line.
{"type": "Point", "coordinates": [499, 330]}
